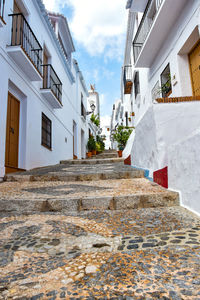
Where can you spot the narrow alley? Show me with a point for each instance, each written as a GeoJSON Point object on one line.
{"type": "Point", "coordinates": [95, 229]}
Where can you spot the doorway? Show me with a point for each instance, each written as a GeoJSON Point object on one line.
{"type": "Point", "coordinates": [12, 134]}
{"type": "Point", "coordinates": [74, 141]}
{"type": "Point", "coordinates": [194, 59]}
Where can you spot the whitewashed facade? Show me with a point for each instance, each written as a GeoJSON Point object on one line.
{"type": "Point", "coordinates": [43, 94]}
{"type": "Point", "coordinates": [162, 49]}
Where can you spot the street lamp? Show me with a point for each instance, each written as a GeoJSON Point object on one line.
{"type": "Point", "coordinates": [92, 106]}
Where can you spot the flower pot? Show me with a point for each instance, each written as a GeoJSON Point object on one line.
{"type": "Point", "coordinates": [120, 153]}
{"type": "Point", "coordinates": [94, 152]}
{"type": "Point", "coordinates": [89, 154]}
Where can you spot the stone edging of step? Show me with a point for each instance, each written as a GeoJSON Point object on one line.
{"type": "Point", "coordinates": [124, 202]}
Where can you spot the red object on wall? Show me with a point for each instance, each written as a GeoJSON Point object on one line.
{"type": "Point", "coordinates": [127, 161]}
{"type": "Point", "coordinates": [161, 177]}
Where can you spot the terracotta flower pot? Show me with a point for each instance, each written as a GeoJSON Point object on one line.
{"type": "Point", "coordinates": [94, 152]}
{"type": "Point", "coordinates": [120, 153]}
{"type": "Point", "coordinates": [89, 154]}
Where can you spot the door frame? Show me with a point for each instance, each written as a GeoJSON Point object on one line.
{"type": "Point", "coordinates": [191, 76]}
{"type": "Point", "coordinates": [9, 168]}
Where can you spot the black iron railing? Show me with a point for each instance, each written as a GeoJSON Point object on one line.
{"type": "Point", "coordinates": [51, 81]}
{"type": "Point", "coordinates": [146, 23]}
{"type": "Point", "coordinates": [127, 74]}
{"type": "Point", "coordinates": [22, 35]}
{"type": "Point", "coordinates": [128, 80]}
{"type": "Point", "coordinates": [2, 6]}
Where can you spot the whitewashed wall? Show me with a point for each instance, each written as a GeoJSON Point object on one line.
{"type": "Point", "coordinates": [184, 170]}
{"type": "Point", "coordinates": [12, 78]}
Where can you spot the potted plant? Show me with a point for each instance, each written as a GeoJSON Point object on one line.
{"type": "Point", "coordinates": [100, 145]}
{"type": "Point", "coordinates": [91, 145]}
{"type": "Point", "coordinates": [121, 148]}
{"type": "Point", "coordinates": [121, 136]}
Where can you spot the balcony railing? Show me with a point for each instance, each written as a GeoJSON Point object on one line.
{"type": "Point", "coordinates": [128, 81]}
{"type": "Point", "coordinates": [144, 28]}
{"type": "Point", "coordinates": [2, 6]}
{"type": "Point", "coordinates": [22, 35]}
{"type": "Point", "coordinates": [51, 81]}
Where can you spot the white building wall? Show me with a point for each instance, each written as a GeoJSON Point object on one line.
{"type": "Point", "coordinates": [12, 78]}
{"type": "Point", "coordinates": [169, 134]}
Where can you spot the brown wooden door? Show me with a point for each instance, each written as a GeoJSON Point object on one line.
{"type": "Point", "coordinates": [17, 37]}
{"type": "Point", "coordinates": [12, 133]}
{"type": "Point", "coordinates": [194, 59]}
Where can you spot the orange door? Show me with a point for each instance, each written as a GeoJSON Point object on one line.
{"type": "Point", "coordinates": [194, 59]}
{"type": "Point", "coordinates": [12, 134]}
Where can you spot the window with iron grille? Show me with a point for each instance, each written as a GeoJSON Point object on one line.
{"type": "Point", "coordinates": [136, 84]}
{"type": "Point", "coordinates": [46, 131]}
{"type": "Point", "coordinates": [166, 86]}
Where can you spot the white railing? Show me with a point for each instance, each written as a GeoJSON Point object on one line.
{"type": "Point", "coordinates": [146, 23]}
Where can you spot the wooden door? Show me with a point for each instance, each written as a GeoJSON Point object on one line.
{"type": "Point", "coordinates": [17, 24]}
{"type": "Point", "coordinates": [12, 134]}
{"type": "Point", "coordinates": [194, 59]}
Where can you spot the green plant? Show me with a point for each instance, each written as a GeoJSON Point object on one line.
{"type": "Point", "coordinates": [121, 136]}
{"type": "Point", "coordinates": [100, 142]}
{"type": "Point", "coordinates": [95, 119]}
{"type": "Point", "coordinates": [166, 87]}
{"type": "Point", "coordinates": [98, 147]}
{"type": "Point", "coordinates": [91, 144]}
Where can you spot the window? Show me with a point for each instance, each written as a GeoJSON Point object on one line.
{"type": "Point", "coordinates": [166, 87]}
{"type": "Point", "coordinates": [83, 111]}
{"type": "Point", "coordinates": [126, 116]}
{"type": "Point", "coordinates": [46, 131]}
{"type": "Point", "coordinates": [63, 47]}
{"type": "Point", "coordinates": [136, 84]}
{"type": "Point", "coordinates": [155, 93]}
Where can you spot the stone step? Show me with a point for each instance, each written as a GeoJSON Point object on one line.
{"type": "Point", "coordinates": [76, 177]}
{"type": "Point", "coordinates": [96, 161]}
{"type": "Point", "coordinates": [79, 172]}
{"type": "Point", "coordinates": [73, 196]}
{"type": "Point", "coordinates": [105, 155]}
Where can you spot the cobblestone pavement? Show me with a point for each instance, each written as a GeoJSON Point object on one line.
{"type": "Point", "coordinates": [134, 254]}
{"type": "Point", "coordinates": [82, 252]}
{"type": "Point", "coordinates": [59, 189]}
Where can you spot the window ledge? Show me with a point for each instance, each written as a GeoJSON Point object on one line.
{"type": "Point", "coordinates": [45, 146]}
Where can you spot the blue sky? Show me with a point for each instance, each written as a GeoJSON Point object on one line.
{"type": "Point", "coordinates": [98, 29]}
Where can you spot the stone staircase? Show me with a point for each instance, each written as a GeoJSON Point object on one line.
{"type": "Point", "coordinates": [101, 183]}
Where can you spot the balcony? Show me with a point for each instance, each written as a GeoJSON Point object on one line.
{"type": "Point", "coordinates": [128, 81]}
{"type": "Point", "coordinates": [52, 86]}
{"type": "Point", "coordinates": [2, 6]}
{"type": "Point", "coordinates": [25, 48]}
{"type": "Point", "coordinates": [158, 20]}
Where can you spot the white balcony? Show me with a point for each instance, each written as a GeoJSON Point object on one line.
{"type": "Point", "coordinates": [51, 98]}
{"type": "Point", "coordinates": [25, 49]}
{"type": "Point", "coordinates": [23, 61]}
{"type": "Point", "coordinates": [52, 87]}
{"type": "Point", "coordinates": [154, 29]}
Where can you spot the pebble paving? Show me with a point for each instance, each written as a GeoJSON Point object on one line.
{"type": "Point", "coordinates": [139, 254]}
{"type": "Point", "coordinates": [135, 254]}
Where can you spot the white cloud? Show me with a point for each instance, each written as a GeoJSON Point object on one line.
{"type": "Point", "coordinates": [99, 26]}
